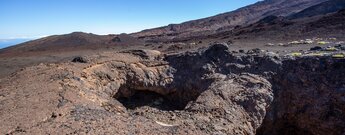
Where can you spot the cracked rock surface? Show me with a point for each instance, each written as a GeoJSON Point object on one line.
{"type": "Point", "coordinates": [208, 91]}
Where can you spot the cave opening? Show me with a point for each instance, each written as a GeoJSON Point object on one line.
{"type": "Point", "coordinates": [142, 98]}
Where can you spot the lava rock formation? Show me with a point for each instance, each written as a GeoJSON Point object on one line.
{"type": "Point", "coordinates": [208, 91]}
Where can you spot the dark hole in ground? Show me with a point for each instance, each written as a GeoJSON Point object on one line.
{"type": "Point", "coordinates": [282, 127]}
{"type": "Point", "coordinates": [151, 99]}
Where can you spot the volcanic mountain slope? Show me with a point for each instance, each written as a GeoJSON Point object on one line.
{"type": "Point", "coordinates": [199, 29]}
{"type": "Point", "coordinates": [283, 28]}
{"type": "Point", "coordinates": [240, 17]}
{"type": "Point", "coordinates": [320, 9]}
{"type": "Point", "coordinates": [71, 42]}
{"type": "Point", "coordinates": [269, 19]}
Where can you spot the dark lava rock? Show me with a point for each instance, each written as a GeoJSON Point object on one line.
{"type": "Point", "coordinates": [209, 91]}
{"type": "Point", "coordinates": [144, 54]}
{"type": "Point", "coordinates": [79, 59]}
{"type": "Point", "coordinates": [116, 39]}
{"type": "Point", "coordinates": [175, 47]}
{"type": "Point", "coordinates": [316, 48]}
{"type": "Point", "coordinates": [217, 50]}
{"type": "Point", "coordinates": [341, 47]}
{"type": "Point", "coordinates": [309, 98]}
{"type": "Point", "coordinates": [230, 42]}
{"type": "Point", "coordinates": [254, 51]}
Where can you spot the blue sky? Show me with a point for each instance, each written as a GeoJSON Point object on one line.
{"type": "Point", "coordinates": [37, 18]}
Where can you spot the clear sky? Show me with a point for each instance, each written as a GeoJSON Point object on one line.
{"type": "Point", "coordinates": [36, 18]}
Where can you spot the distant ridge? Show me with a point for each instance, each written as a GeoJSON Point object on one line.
{"type": "Point", "coordinates": [71, 42]}
{"type": "Point", "coordinates": [226, 21]}
{"type": "Point", "coordinates": [267, 19]}
{"type": "Point", "coordinates": [9, 42]}
{"type": "Point", "coordinates": [320, 9]}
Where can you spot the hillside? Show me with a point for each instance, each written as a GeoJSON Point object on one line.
{"type": "Point", "coordinates": [320, 9]}
{"type": "Point", "coordinates": [227, 21]}
{"type": "Point", "coordinates": [283, 28]}
{"type": "Point", "coordinates": [71, 42]}
{"type": "Point", "coordinates": [241, 22]}
{"type": "Point", "coordinates": [323, 20]}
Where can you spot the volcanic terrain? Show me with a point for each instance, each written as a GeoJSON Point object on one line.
{"type": "Point", "coordinates": [271, 68]}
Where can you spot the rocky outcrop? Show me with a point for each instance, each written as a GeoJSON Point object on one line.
{"type": "Point", "coordinates": [309, 98]}
{"type": "Point", "coordinates": [208, 91]}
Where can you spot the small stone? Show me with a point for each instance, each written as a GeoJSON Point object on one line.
{"type": "Point", "coordinates": [316, 48]}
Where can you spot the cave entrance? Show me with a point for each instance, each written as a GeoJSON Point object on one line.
{"type": "Point", "coordinates": [141, 98]}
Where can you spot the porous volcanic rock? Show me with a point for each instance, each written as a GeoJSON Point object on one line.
{"type": "Point", "coordinates": [309, 98]}
{"type": "Point", "coordinates": [207, 91]}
